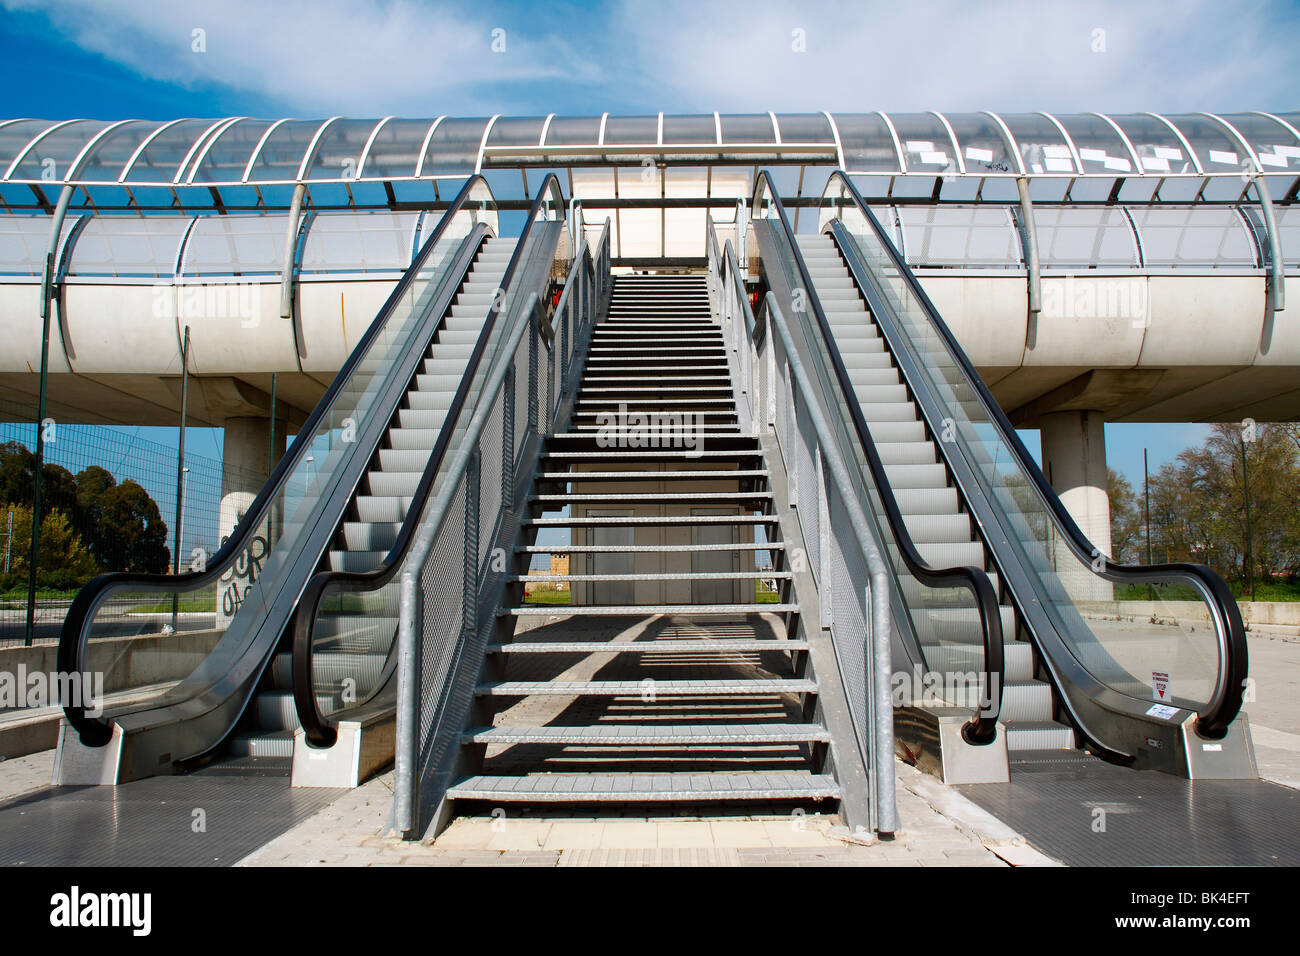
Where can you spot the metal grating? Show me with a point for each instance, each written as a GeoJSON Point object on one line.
{"type": "Point", "coordinates": [151, 822]}
{"type": "Point", "coordinates": [1150, 818]}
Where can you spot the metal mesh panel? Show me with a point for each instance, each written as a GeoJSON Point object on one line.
{"type": "Point", "coordinates": [491, 470]}
{"type": "Point", "coordinates": [521, 396]}
{"type": "Point", "coordinates": [442, 583]}
{"type": "Point", "coordinates": [808, 506]}
{"type": "Point", "coordinates": [850, 630]}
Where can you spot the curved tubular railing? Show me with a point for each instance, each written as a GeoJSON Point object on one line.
{"type": "Point", "coordinates": [320, 729]}
{"type": "Point", "coordinates": [97, 730]}
{"type": "Point", "coordinates": [982, 727]}
{"type": "Point", "coordinates": [1214, 717]}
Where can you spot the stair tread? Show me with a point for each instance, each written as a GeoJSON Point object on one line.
{"type": "Point", "coordinates": [641, 647]}
{"type": "Point", "coordinates": [652, 734]}
{"type": "Point", "coordinates": [643, 610]}
{"type": "Point", "coordinates": [662, 688]}
{"type": "Point", "coordinates": [632, 787]}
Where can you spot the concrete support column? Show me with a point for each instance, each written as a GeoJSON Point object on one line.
{"type": "Point", "coordinates": [1074, 460]}
{"type": "Point", "coordinates": [244, 469]}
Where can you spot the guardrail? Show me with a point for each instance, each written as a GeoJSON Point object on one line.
{"type": "Point", "coordinates": [779, 398]}
{"type": "Point", "coordinates": [455, 573]}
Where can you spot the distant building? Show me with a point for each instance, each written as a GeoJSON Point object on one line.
{"type": "Point", "coordinates": [560, 565]}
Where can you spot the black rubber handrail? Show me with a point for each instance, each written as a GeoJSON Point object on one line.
{"type": "Point", "coordinates": [97, 731]}
{"type": "Point", "coordinates": [982, 728]}
{"type": "Point", "coordinates": [319, 730]}
{"type": "Point", "coordinates": [1230, 693]}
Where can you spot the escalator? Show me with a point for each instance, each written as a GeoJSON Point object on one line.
{"type": "Point", "coordinates": [999, 601]}
{"type": "Point", "coordinates": [216, 677]}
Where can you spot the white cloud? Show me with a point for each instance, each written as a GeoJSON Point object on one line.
{"type": "Point", "coordinates": [368, 57]}
{"type": "Point", "coordinates": [999, 54]}
{"type": "Point", "coordinates": [321, 57]}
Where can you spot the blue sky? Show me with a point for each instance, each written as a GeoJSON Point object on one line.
{"type": "Point", "coordinates": [113, 59]}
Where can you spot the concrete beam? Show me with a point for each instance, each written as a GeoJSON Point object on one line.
{"type": "Point", "coordinates": [1097, 390]}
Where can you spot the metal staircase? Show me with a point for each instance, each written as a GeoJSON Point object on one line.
{"type": "Point", "coordinates": [665, 681]}
{"type": "Point", "coordinates": [933, 512]}
{"type": "Point", "coordinates": [358, 649]}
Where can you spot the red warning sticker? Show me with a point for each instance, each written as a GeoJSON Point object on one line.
{"type": "Point", "coordinates": [1160, 685]}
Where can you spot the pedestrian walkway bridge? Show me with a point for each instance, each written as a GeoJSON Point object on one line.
{"type": "Point", "coordinates": [577, 528]}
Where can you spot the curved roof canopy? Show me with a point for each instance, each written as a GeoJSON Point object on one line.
{"type": "Point", "coordinates": [242, 150]}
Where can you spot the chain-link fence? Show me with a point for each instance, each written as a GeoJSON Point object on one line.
{"type": "Point", "coordinates": [108, 503]}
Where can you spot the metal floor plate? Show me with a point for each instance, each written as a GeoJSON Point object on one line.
{"type": "Point", "coordinates": [155, 822]}
{"type": "Point", "coordinates": [1097, 814]}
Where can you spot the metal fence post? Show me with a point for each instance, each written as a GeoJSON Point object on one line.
{"type": "Point", "coordinates": [180, 469]}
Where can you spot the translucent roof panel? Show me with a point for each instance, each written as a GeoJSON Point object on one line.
{"type": "Point", "coordinates": [927, 147]}
{"type": "Point", "coordinates": [108, 157]}
{"type": "Point", "coordinates": [1042, 147]}
{"type": "Point", "coordinates": [235, 246]}
{"type": "Point", "coordinates": [338, 151]}
{"type": "Point", "coordinates": [53, 154]}
{"type": "Point", "coordinates": [1101, 150]}
{"type": "Point", "coordinates": [358, 242]}
{"type": "Point", "coordinates": [1158, 148]}
{"type": "Point", "coordinates": [747, 128]}
{"type": "Point", "coordinates": [454, 147]}
{"type": "Point", "coordinates": [1209, 236]}
{"type": "Point", "coordinates": [631, 130]}
{"type": "Point", "coordinates": [143, 247]}
{"type": "Point", "coordinates": [573, 131]}
{"type": "Point", "coordinates": [160, 161]}
{"type": "Point", "coordinates": [973, 236]}
{"type": "Point", "coordinates": [983, 146]}
{"type": "Point", "coordinates": [1075, 238]}
{"type": "Point", "coordinates": [804, 128]}
{"type": "Point", "coordinates": [282, 154]}
{"type": "Point", "coordinates": [227, 157]}
{"type": "Point", "coordinates": [1288, 228]}
{"type": "Point", "coordinates": [517, 131]}
{"type": "Point", "coordinates": [395, 153]}
{"type": "Point", "coordinates": [1276, 147]}
{"type": "Point", "coordinates": [23, 241]}
{"type": "Point", "coordinates": [1218, 151]}
{"type": "Point", "coordinates": [690, 129]}
{"type": "Point", "coordinates": [867, 145]}
{"type": "Point", "coordinates": [14, 138]}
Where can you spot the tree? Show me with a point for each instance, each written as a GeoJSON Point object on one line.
{"type": "Point", "coordinates": [1198, 503]}
{"type": "Point", "coordinates": [63, 561]}
{"type": "Point", "coordinates": [1126, 524]}
{"type": "Point", "coordinates": [18, 480]}
{"type": "Point", "coordinates": [133, 536]}
{"type": "Point", "coordinates": [120, 525]}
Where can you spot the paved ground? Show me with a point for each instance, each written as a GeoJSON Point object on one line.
{"type": "Point", "coordinates": [941, 828]}
{"type": "Point", "coordinates": [1275, 671]}
{"type": "Point", "coordinates": [19, 775]}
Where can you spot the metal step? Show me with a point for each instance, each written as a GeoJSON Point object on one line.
{"type": "Point", "coordinates": [646, 734]}
{"type": "Point", "coordinates": [1031, 735]}
{"type": "Point", "coordinates": [701, 646]}
{"type": "Point", "coordinates": [585, 522]}
{"type": "Point", "coordinates": [664, 497]}
{"type": "Point", "coordinates": [636, 688]}
{"type": "Point", "coordinates": [648, 548]}
{"type": "Point", "coordinates": [656, 576]}
{"type": "Point", "coordinates": [277, 744]}
{"type": "Point", "coordinates": [646, 610]}
{"type": "Point", "coordinates": [646, 788]}
{"type": "Point", "coordinates": [738, 473]}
